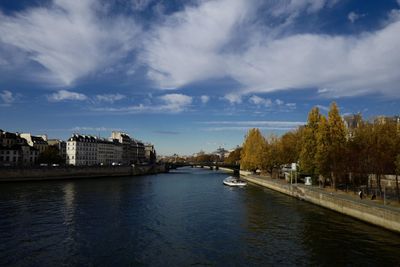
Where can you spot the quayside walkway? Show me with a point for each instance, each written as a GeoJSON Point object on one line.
{"type": "Point", "coordinates": [363, 209]}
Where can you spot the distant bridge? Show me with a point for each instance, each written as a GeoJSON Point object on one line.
{"type": "Point", "coordinates": [209, 165]}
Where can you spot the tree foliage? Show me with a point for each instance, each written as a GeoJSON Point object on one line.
{"type": "Point", "coordinates": [253, 150]}
{"type": "Point", "coordinates": [309, 143]}
{"type": "Point", "coordinates": [234, 157]}
{"type": "Point", "coordinates": [51, 155]}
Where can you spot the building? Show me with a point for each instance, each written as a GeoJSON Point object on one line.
{"type": "Point", "coordinates": [133, 151]}
{"type": "Point", "coordinates": [86, 150]}
{"type": "Point", "coordinates": [150, 153]}
{"type": "Point", "coordinates": [352, 122]}
{"type": "Point", "coordinates": [38, 142]}
{"type": "Point", "coordinates": [221, 153]}
{"type": "Point", "coordinates": [15, 151]}
{"type": "Point", "coordinates": [62, 147]}
{"type": "Point", "coordinates": [81, 150]}
{"type": "Point", "coordinates": [108, 152]}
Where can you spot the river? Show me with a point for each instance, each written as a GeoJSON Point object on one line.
{"type": "Point", "coordinates": [183, 218]}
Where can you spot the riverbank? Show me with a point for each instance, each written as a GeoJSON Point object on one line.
{"type": "Point", "coordinates": [57, 173]}
{"type": "Point", "coordinates": [367, 211]}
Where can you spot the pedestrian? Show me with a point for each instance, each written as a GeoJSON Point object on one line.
{"type": "Point", "coordinates": [360, 194]}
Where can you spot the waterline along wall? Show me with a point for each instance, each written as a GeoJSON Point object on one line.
{"type": "Point", "coordinates": [384, 216]}
{"type": "Point", "coordinates": [49, 173]}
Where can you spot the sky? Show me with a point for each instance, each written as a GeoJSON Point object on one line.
{"type": "Point", "coordinates": [191, 75]}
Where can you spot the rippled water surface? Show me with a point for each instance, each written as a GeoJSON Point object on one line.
{"type": "Point", "coordinates": [183, 218]}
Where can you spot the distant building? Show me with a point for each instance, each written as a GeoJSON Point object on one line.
{"type": "Point", "coordinates": [82, 150]}
{"type": "Point", "coordinates": [133, 151]}
{"type": "Point", "coordinates": [352, 122]}
{"type": "Point", "coordinates": [150, 153]}
{"type": "Point", "coordinates": [221, 153]}
{"type": "Point", "coordinates": [108, 152]}
{"type": "Point", "coordinates": [15, 151]}
{"type": "Point", "coordinates": [38, 142]}
{"type": "Point", "coordinates": [384, 119]}
{"type": "Point", "coordinates": [86, 150]}
{"type": "Point", "coordinates": [62, 147]}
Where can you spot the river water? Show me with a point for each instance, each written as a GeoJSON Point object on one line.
{"type": "Point", "coordinates": [183, 218]}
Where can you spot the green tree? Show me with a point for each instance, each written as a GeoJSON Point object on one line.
{"type": "Point", "coordinates": [253, 150]}
{"type": "Point", "coordinates": [309, 143]}
{"type": "Point", "coordinates": [337, 143]}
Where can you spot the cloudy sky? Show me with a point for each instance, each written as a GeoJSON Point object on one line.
{"type": "Point", "coordinates": [193, 74]}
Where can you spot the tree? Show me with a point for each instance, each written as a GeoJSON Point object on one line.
{"type": "Point", "coordinates": [309, 143]}
{"type": "Point", "coordinates": [271, 159]}
{"type": "Point", "coordinates": [51, 155]}
{"type": "Point", "coordinates": [337, 142]}
{"type": "Point", "coordinates": [397, 164]}
{"type": "Point", "coordinates": [322, 160]}
{"type": "Point", "coordinates": [234, 157]}
{"type": "Point", "coordinates": [253, 150]}
{"type": "Point", "coordinates": [289, 147]}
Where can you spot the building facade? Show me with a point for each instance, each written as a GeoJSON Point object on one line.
{"type": "Point", "coordinates": [86, 150]}
{"type": "Point", "coordinates": [15, 151]}
{"type": "Point", "coordinates": [133, 151]}
{"type": "Point", "coordinates": [38, 142]}
{"type": "Point", "coordinates": [81, 150]}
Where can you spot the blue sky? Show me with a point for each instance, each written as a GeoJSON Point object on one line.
{"type": "Point", "coordinates": [191, 75]}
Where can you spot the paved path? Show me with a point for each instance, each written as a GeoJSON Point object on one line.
{"type": "Point", "coordinates": [337, 194]}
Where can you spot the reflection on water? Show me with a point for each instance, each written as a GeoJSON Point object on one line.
{"type": "Point", "coordinates": [178, 219]}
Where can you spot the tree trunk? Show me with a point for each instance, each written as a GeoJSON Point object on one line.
{"type": "Point", "coordinates": [397, 188]}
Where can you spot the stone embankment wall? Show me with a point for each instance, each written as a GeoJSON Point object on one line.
{"type": "Point", "coordinates": [384, 216]}
{"type": "Point", "coordinates": [53, 173]}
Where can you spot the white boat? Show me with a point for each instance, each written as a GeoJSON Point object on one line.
{"type": "Point", "coordinates": [232, 181]}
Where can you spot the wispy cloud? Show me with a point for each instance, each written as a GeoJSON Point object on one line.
{"type": "Point", "coordinates": [71, 39]}
{"type": "Point", "coordinates": [217, 126]}
{"type": "Point", "coordinates": [169, 103]}
{"type": "Point", "coordinates": [233, 98]}
{"type": "Point", "coordinates": [353, 16]}
{"type": "Point", "coordinates": [7, 97]}
{"type": "Point", "coordinates": [64, 95]}
{"type": "Point", "coordinates": [204, 99]}
{"type": "Point", "coordinates": [109, 98]}
{"type": "Point", "coordinates": [93, 129]}
{"type": "Point", "coordinates": [167, 132]}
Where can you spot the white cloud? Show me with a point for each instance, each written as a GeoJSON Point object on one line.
{"type": "Point", "coordinates": [233, 98]}
{"type": "Point", "coordinates": [7, 97]}
{"type": "Point", "coordinates": [71, 39]}
{"type": "Point", "coordinates": [286, 7]}
{"type": "Point", "coordinates": [140, 5]}
{"type": "Point", "coordinates": [184, 48]}
{"type": "Point", "coordinates": [256, 100]}
{"type": "Point", "coordinates": [110, 98]}
{"type": "Point", "coordinates": [63, 95]}
{"type": "Point", "coordinates": [324, 108]}
{"type": "Point", "coordinates": [169, 103]}
{"type": "Point", "coordinates": [352, 16]}
{"type": "Point", "coordinates": [279, 102]}
{"type": "Point", "coordinates": [93, 129]}
{"type": "Point", "coordinates": [245, 125]}
{"type": "Point", "coordinates": [204, 99]}
{"type": "Point", "coordinates": [176, 102]}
